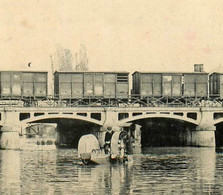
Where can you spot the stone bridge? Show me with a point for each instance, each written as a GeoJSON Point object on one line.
{"type": "Point", "coordinates": [13, 119]}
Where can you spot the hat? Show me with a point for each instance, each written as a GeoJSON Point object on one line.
{"type": "Point", "coordinates": [109, 128]}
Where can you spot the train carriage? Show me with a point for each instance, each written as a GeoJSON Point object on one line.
{"type": "Point", "coordinates": [93, 85]}
{"type": "Point", "coordinates": [150, 84]}
{"type": "Point", "coordinates": [216, 85]}
{"type": "Point", "coordinates": [146, 84]}
{"type": "Point", "coordinates": [23, 84]}
{"type": "Point", "coordinates": [195, 84]}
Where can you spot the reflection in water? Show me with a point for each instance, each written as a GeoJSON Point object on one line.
{"type": "Point", "coordinates": [152, 170]}
{"type": "Point", "coordinates": [204, 164]}
{"type": "Point", "coordinates": [178, 170]}
{"type": "Point", "coordinates": [107, 179]}
{"type": "Point", "coordinates": [10, 171]}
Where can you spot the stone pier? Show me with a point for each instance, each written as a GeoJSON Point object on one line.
{"type": "Point", "coordinates": [9, 132]}
{"type": "Point", "coordinates": [201, 138]}
{"type": "Point", "coordinates": [204, 135]}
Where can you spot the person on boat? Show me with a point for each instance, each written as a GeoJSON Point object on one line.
{"type": "Point", "coordinates": [108, 136]}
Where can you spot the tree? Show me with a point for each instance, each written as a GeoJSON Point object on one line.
{"type": "Point", "coordinates": [81, 59]}
{"type": "Point", "coordinates": [63, 59]}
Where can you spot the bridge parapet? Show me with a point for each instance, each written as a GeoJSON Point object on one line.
{"type": "Point", "coordinates": [130, 101]}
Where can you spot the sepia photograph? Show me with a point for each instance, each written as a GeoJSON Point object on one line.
{"type": "Point", "coordinates": [111, 97]}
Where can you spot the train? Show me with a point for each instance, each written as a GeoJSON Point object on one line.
{"type": "Point", "coordinates": [106, 86]}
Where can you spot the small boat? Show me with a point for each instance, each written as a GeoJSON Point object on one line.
{"type": "Point", "coordinates": [37, 143]}
{"type": "Point", "coordinates": [113, 147]}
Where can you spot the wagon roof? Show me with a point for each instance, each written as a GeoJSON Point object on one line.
{"type": "Point", "coordinates": [153, 72]}
{"type": "Point", "coordinates": [217, 70]}
{"type": "Point", "coordinates": [71, 72]}
{"type": "Point", "coordinates": [26, 71]}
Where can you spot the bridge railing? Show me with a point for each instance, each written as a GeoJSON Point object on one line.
{"type": "Point", "coordinates": [131, 101]}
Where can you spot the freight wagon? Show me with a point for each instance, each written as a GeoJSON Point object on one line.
{"type": "Point", "coordinates": [93, 85]}
{"type": "Point", "coordinates": [216, 85]}
{"type": "Point", "coordinates": [150, 84]}
{"type": "Point", "coordinates": [22, 84]}
{"type": "Point", "coordinates": [195, 84]}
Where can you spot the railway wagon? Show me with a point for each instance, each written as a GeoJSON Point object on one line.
{"type": "Point", "coordinates": [195, 84]}
{"type": "Point", "coordinates": [23, 84]}
{"type": "Point", "coordinates": [146, 84]}
{"type": "Point", "coordinates": [216, 85]}
{"type": "Point", "coordinates": [84, 85]}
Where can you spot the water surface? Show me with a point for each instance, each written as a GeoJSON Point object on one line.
{"type": "Point", "coordinates": [172, 170]}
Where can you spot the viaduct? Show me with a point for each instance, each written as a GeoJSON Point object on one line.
{"type": "Point", "coordinates": [204, 119]}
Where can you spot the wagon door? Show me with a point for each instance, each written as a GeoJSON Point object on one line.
{"type": "Point", "coordinates": [167, 85]}
{"type": "Point", "coordinates": [77, 85]}
{"type": "Point", "coordinates": [215, 85]}
{"type": "Point", "coordinates": [221, 86]}
{"type": "Point", "coordinates": [65, 86]}
{"type": "Point", "coordinates": [189, 85]}
{"type": "Point", "coordinates": [157, 83]}
{"type": "Point", "coordinates": [5, 84]}
{"type": "Point", "coordinates": [28, 81]}
{"type": "Point", "coordinates": [88, 85]}
{"type": "Point", "coordinates": [40, 85]}
{"type": "Point", "coordinates": [98, 85]}
{"type": "Point", "coordinates": [16, 84]}
{"type": "Point", "coordinates": [122, 86]}
{"type": "Point", "coordinates": [146, 85]}
{"type": "Point", "coordinates": [201, 85]}
{"type": "Point", "coordinates": [176, 86]}
{"type": "Point", "coordinates": [110, 85]}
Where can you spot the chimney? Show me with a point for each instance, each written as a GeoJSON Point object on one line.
{"type": "Point", "coordinates": [198, 68]}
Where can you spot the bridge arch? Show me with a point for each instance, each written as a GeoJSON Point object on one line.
{"type": "Point", "coordinates": [61, 116]}
{"type": "Point", "coordinates": [162, 129]}
{"type": "Point", "coordinates": [167, 116]}
{"type": "Point", "coordinates": [219, 132]}
{"type": "Point", "coordinates": [217, 121]}
{"type": "Point", "coordinates": [68, 130]}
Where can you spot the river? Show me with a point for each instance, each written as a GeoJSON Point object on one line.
{"type": "Point", "coordinates": [164, 170]}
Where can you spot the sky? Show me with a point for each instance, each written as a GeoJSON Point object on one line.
{"type": "Point", "coordinates": [127, 35]}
